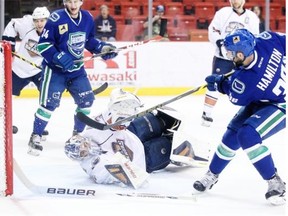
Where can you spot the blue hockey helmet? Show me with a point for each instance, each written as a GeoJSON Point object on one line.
{"type": "Point", "coordinates": [240, 40]}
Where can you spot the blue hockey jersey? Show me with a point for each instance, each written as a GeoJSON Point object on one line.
{"type": "Point", "coordinates": [63, 33]}
{"type": "Point", "coordinates": [263, 80]}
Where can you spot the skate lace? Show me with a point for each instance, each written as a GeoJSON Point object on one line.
{"type": "Point", "coordinates": [209, 179]}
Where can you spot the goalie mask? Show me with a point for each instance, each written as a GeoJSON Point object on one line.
{"type": "Point", "coordinates": [77, 147]}
{"type": "Point", "coordinates": [122, 105]}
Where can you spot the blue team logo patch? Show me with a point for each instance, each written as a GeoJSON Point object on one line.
{"type": "Point", "coordinates": [265, 35]}
{"type": "Point", "coordinates": [54, 17]}
{"type": "Point", "coordinates": [238, 86]}
{"type": "Point", "coordinates": [76, 43]}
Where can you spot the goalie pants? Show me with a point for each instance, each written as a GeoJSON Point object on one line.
{"type": "Point", "coordinates": [149, 129]}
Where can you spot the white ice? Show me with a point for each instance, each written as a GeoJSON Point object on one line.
{"type": "Point", "coordinates": [240, 190]}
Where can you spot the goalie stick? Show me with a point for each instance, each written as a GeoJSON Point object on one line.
{"type": "Point", "coordinates": [157, 38]}
{"type": "Point", "coordinates": [92, 123]}
{"type": "Point", "coordinates": [84, 192]}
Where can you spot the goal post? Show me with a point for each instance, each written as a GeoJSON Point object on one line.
{"type": "Point", "coordinates": [6, 135]}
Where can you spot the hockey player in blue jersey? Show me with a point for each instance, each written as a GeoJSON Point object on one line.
{"type": "Point", "coordinates": [67, 33]}
{"type": "Point", "coordinates": [258, 85]}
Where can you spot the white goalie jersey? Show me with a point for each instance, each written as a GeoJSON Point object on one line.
{"type": "Point", "coordinates": [226, 20]}
{"type": "Point", "coordinates": [106, 144]}
{"type": "Point", "coordinates": [24, 28]}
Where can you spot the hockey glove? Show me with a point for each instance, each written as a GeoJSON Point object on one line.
{"type": "Point", "coordinates": [214, 82]}
{"type": "Point", "coordinates": [110, 50]}
{"type": "Point", "coordinates": [63, 60]}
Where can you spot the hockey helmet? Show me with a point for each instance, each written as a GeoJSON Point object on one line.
{"type": "Point", "coordinates": [40, 13]}
{"type": "Point", "coordinates": [160, 8]}
{"type": "Point", "coordinates": [122, 104]}
{"type": "Point", "coordinates": [77, 147]}
{"type": "Point", "coordinates": [239, 40]}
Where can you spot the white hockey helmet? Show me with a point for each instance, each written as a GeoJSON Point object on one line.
{"type": "Point", "coordinates": [77, 147]}
{"type": "Point", "coordinates": [122, 104]}
{"type": "Point", "coordinates": [40, 13]}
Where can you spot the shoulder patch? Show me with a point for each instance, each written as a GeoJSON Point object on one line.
{"type": "Point", "coordinates": [54, 17]}
{"type": "Point", "coordinates": [238, 86]}
{"type": "Point", "coordinates": [265, 35]}
{"type": "Point", "coordinates": [63, 28]}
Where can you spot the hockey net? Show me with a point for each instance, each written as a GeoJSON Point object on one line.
{"type": "Point", "coordinates": [6, 153]}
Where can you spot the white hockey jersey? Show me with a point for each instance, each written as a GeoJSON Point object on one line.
{"type": "Point", "coordinates": [226, 20]}
{"type": "Point", "coordinates": [106, 143]}
{"type": "Point", "coordinates": [24, 28]}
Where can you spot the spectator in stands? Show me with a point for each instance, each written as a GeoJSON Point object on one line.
{"type": "Point", "coordinates": [105, 25]}
{"type": "Point", "coordinates": [258, 11]}
{"type": "Point", "coordinates": [159, 25]}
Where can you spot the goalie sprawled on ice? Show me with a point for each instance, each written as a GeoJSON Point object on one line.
{"type": "Point", "coordinates": [126, 154]}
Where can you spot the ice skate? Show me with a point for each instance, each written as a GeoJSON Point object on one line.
{"type": "Point", "coordinates": [34, 144]}
{"type": "Point", "coordinates": [206, 120]}
{"type": "Point", "coordinates": [276, 191]}
{"type": "Point", "coordinates": [75, 132]}
{"type": "Point", "coordinates": [206, 182]}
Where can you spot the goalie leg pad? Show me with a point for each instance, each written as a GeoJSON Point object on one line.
{"type": "Point", "coordinates": [188, 150]}
{"type": "Point", "coordinates": [157, 153]}
{"type": "Point", "coordinates": [126, 171]}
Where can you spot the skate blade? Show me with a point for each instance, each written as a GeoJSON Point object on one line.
{"type": "Point", "coordinates": [277, 200]}
{"type": "Point", "coordinates": [33, 152]}
{"type": "Point", "coordinates": [206, 123]}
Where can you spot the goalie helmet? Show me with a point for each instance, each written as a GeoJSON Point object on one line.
{"type": "Point", "coordinates": [122, 104]}
{"type": "Point", "coordinates": [77, 147]}
{"type": "Point", "coordinates": [240, 40]}
{"type": "Point", "coordinates": [40, 13]}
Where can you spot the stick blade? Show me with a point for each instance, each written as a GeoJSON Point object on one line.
{"type": "Point", "coordinates": [100, 89]}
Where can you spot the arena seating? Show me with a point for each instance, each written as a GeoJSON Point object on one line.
{"type": "Point", "coordinates": [185, 17]}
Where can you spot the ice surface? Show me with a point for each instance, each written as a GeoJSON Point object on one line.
{"type": "Point", "coordinates": [240, 190]}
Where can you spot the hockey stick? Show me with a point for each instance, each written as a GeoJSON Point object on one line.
{"type": "Point", "coordinates": [100, 89]}
{"type": "Point", "coordinates": [90, 122]}
{"type": "Point", "coordinates": [26, 60]}
{"type": "Point", "coordinates": [95, 91]}
{"type": "Point", "coordinates": [85, 192]}
{"type": "Point", "coordinates": [157, 38]}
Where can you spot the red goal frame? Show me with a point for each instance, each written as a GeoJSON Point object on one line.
{"type": "Point", "coordinates": [8, 132]}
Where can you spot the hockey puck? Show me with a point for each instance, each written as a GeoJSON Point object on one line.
{"type": "Point", "coordinates": [15, 129]}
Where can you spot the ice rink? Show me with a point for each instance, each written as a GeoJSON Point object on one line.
{"type": "Point", "coordinates": [240, 190]}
